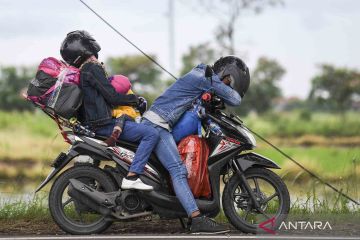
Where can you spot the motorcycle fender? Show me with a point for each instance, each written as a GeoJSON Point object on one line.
{"type": "Point", "coordinates": [58, 164]}
{"type": "Point", "coordinates": [248, 160]}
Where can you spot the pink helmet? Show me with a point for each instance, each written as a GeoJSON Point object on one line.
{"type": "Point", "coordinates": [120, 83]}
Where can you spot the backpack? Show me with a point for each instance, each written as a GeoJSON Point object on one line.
{"type": "Point", "coordinates": [56, 86]}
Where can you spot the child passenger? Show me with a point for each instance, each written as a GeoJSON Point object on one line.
{"type": "Point", "coordinates": [122, 85]}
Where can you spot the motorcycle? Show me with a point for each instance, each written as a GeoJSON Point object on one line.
{"type": "Point", "coordinates": [86, 197]}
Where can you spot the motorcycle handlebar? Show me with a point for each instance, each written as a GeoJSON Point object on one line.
{"type": "Point", "coordinates": [212, 102]}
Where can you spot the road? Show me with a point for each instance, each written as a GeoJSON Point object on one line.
{"type": "Point", "coordinates": [104, 237]}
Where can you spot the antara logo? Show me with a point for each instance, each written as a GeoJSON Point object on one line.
{"type": "Point", "coordinates": [304, 225]}
{"type": "Point", "coordinates": [269, 224]}
{"type": "Point", "coordinates": [270, 221]}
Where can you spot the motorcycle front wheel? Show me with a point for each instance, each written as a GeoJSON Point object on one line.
{"type": "Point", "coordinates": [270, 192]}
{"type": "Point", "coordinates": [71, 215]}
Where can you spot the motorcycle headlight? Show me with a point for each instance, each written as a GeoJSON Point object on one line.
{"type": "Point", "coordinates": [248, 135]}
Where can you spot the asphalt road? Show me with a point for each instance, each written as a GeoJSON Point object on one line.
{"type": "Point", "coordinates": [99, 237]}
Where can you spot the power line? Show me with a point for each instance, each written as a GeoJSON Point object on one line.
{"type": "Point", "coordinates": [302, 167]}
{"type": "Point", "coordinates": [259, 136]}
{"type": "Point", "coordinates": [126, 39]}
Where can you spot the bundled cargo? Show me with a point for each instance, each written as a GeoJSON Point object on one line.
{"type": "Point", "coordinates": [56, 86]}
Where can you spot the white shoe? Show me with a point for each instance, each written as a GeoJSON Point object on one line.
{"type": "Point", "coordinates": [135, 184]}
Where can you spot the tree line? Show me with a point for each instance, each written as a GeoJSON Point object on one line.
{"type": "Point", "coordinates": [332, 88]}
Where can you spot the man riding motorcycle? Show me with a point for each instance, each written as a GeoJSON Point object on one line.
{"type": "Point", "coordinates": [229, 79]}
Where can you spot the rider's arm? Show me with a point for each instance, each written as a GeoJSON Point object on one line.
{"type": "Point", "coordinates": [98, 80]}
{"type": "Point", "coordinates": [229, 95]}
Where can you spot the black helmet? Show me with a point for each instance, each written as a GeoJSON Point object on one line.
{"type": "Point", "coordinates": [238, 71]}
{"type": "Point", "coordinates": [77, 47]}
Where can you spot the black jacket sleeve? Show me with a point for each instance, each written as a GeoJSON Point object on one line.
{"type": "Point", "coordinates": [98, 80]}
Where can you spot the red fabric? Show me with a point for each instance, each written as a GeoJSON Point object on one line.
{"type": "Point", "coordinates": [51, 66]}
{"type": "Point", "coordinates": [194, 152]}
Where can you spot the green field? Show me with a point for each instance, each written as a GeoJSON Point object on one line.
{"type": "Point", "coordinates": [332, 163]}
{"type": "Point", "coordinates": [298, 123]}
{"type": "Point", "coordinates": [281, 124]}
{"type": "Point", "coordinates": [328, 144]}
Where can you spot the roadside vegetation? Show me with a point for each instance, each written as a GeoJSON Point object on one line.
{"type": "Point", "coordinates": [328, 144]}
{"type": "Point", "coordinates": [36, 208]}
{"type": "Point", "coordinates": [323, 143]}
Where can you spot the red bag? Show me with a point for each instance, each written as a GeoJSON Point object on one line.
{"type": "Point", "coordinates": [194, 152]}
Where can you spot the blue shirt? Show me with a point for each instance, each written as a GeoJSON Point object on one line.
{"type": "Point", "coordinates": [179, 96]}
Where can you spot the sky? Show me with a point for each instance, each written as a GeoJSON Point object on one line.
{"type": "Point", "coordinates": [300, 35]}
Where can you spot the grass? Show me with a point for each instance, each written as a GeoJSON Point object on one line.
{"type": "Point", "coordinates": [325, 143]}
{"type": "Point", "coordinates": [34, 124]}
{"type": "Point", "coordinates": [32, 141]}
{"type": "Point", "coordinates": [26, 210]}
{"type": "Point", "coordinates": [315, 203]}
{"type": "Point", "coordinates": [283, 124]}
{"type": "Point", "coordinates": [314, 207]}
{"type": "Point", "coordinates": [28, 136]}
{"type": "Point", "coordinates": [294, 124]}
{"type": "Point", "coordinates": [332, 163]}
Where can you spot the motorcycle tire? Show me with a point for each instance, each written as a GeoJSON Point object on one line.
{"type": "Point", "coordinates": [228, 201]}
{"type": "Point", "coordinates": [55, 199]}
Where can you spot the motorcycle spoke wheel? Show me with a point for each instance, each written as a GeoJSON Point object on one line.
{"type": "Point", "coordinates": [270, 192]}
{"type": "Point", "coordinates": [68, 212]}
{"type": "Point", "coordinates": [75, 212]}
{"type": "Point", "coordinates": [261, 189]}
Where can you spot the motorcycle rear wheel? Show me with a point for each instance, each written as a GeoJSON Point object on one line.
{"type": "Point", "coordinates": [64, 217]}
{"type": "Point", "coordinates": [238, 207]}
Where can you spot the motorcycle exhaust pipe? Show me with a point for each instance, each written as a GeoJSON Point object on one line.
{"type": "Point", "coordinates": [97, 201]}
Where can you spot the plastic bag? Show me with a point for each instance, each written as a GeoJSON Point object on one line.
{"type": "Point", "coordinates": [56, 86]}
{"type": "Point", "coordinates": [66, 98]}
{"type": "Point", "coordinates": [194, 153]}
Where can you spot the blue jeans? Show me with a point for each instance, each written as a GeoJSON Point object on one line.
{"type": "Point", "coordinates": [168, 154]}
{"type": "Point", "coordinates": [135, 132]}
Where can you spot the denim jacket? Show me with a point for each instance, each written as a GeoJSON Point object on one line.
{"type": "Point", "coordinates": [100, 97]}
{"type": "Point", "coordinates": [179, 96]}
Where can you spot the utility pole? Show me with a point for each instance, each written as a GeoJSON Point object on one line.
{"type": "Point", "coordinates": [171, 37]}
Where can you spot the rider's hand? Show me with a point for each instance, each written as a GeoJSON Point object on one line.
{"type": "Point", "coordinates": [142, 107]}
{"type": "Point", "coordinates": [134, 98]}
